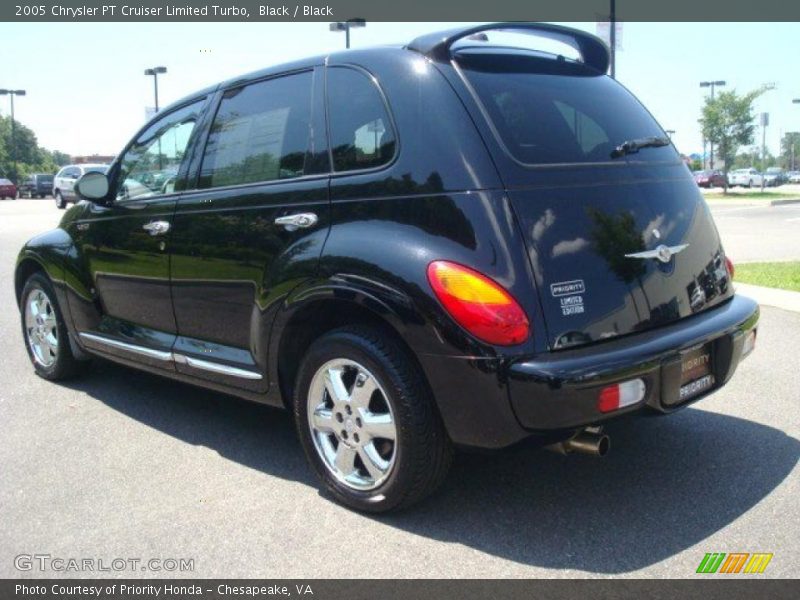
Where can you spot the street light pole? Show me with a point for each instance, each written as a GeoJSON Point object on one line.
{"type": "Point", "coordinates": [612, 38]}
{"type": "Point", "coordinates": [155, 72]}
{"type": "Point", "coordinates": [13, 93]}
{"type": "Point", "coordinates": [795, 101]}
{"type": "Point", "coordinates": [346, 26]}
{"type": "Point", "coordinates": [712, 85]}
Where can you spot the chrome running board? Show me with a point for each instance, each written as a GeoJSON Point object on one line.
{"type": "Point", "coordinates": [195, 363]}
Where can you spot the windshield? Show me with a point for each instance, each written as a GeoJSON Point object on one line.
{"type": "Point", "coordinates": [547, 112]}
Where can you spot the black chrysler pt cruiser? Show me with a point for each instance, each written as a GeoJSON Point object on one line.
{"type": "Point", "coordinates": [462, 242]}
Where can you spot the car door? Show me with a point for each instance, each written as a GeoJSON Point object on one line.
{"type": "Point", "coordinates": [252, 228]}
{"type": "Point", "coordinates": [124, 245]}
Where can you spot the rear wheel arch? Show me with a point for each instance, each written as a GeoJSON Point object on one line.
{"type": "Point", "coordinates": [314, 319]}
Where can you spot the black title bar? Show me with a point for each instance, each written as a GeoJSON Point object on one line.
{"type": "Point", "coordinates": [399, 10]}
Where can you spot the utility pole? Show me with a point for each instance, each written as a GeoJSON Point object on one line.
{"type": "Point", "coordinates": [712, 85]}
{"type": "Point", "coordinates": [13, 93]}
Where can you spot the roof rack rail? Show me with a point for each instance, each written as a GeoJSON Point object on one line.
{"type": "Point", "coordinates": [592, 49]}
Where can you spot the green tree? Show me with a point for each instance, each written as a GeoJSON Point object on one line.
{"type": "Point", "coordinates": [27, 154]}
{"type": "Point", "coordinates": [61, 158]}
{"type": "Point", "coordinates": [790, 150]}
{"type": "Point", "coordinates": [752, 158]}
{"type": "Point", "coordinates": [727, 121]}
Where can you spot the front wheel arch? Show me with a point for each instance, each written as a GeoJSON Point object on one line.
{"type": "Point", "coordinates": [24, 271]}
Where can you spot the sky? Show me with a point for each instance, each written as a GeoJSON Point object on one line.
{"type": "Point", "coordinates": [86, 91]}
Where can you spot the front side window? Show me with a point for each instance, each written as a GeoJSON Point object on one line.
{"type": "Point", "coordinates": [150, 166]}
{"type": "Point", "coordinates": [361, 132]}
{"type": "Point", "coordinates": [261, 133]}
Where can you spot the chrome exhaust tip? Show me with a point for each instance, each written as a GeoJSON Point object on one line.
{"type": "Point", "coordinates": [588, 441]}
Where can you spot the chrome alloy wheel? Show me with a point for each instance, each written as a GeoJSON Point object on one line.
{"type": "Point", "coordinates": [352, 424]}
{"type": "Point", "coordinates": [41, 328]}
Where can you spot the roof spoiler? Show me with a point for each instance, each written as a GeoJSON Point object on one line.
{"type": "Point", "coordinates": [592, 49]}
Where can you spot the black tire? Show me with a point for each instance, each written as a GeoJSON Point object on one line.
{"type": "Point", "coordinates": [60, 202]}
{"type": "Point", "coordinates": [423, 451]}
{"type": "Point", "coordinates": [64, 365]}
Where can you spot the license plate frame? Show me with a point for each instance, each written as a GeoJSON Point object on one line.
{"type": "Point", "coordinates": [696, 375]}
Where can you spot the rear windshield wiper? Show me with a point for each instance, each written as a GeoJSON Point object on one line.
{"type": "Point", "coordinates": [633, 146]}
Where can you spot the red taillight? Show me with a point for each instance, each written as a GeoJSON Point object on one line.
{"type": "Point", "coordinates": [478, 304]}
{"type": "Point", "coordinates": [729, 266]}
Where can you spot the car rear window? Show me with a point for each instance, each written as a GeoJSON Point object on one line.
{"type": "Point", "coordinates": [551, 111]}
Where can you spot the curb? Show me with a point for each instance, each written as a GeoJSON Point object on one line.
{"type": "Point", "coordinates": [784, 299]}
{"type": "Point", "coordinates": [786, 201]}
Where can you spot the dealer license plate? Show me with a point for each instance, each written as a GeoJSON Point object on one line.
{"type": "Point", "coordinates": [696, 376]}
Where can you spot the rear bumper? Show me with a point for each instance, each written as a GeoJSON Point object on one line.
{"type": "Point", "coordinates": [560, 390]}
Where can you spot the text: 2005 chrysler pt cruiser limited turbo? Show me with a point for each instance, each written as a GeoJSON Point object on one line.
{"type": "Point", "coordinates": [459, 242]}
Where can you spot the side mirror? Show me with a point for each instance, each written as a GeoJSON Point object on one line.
{"type": "Point", "coordinates": [93, 186]}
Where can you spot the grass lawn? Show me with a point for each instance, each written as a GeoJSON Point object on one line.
{"type": "Point", "coordinates": [754, 195]}
{"type": "Point", "coordinates": [784, 275]}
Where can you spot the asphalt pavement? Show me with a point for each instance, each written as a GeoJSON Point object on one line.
{"type": "Point", "coordinates": [758, 232]}
{"type": "Point", "coordinates": [120, 464]}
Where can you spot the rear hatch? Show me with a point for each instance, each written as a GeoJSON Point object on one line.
{"type": "Point", "coordinates": [595, 225]}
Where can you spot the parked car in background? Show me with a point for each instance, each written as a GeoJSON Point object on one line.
{"type": "Point", "coordinates": [793, 176]}
{"type": "Point", "coordinates": [707, 179]}
{"type": "Point", "coordinates": [37, 185]}
{"type": "Point", "coordinates": [402, 258]}
{"type": "Point", "coordinates": [7, 189]}
{"type": "Point", "coordinates": [64, 181]}
{"type": "Point", "coordinates": [775, 176]}
{"type": "Point", "coordinates": [745, 178]}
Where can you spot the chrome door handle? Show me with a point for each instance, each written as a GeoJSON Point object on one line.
{"type": "Point", "coordinates": [298, 221]}
{"type": "Point", "coordinates": [156, 227]}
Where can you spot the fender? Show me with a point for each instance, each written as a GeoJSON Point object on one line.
{"type": "Point", "coordinates": [49, 253]}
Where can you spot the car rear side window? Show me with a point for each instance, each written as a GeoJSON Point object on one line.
{"type": "Point", "coordinates": [547, 111]}
{"type": "Point", "coordinates": [261, 133]}
{"type": "Point", "coordinates": [362, 136]}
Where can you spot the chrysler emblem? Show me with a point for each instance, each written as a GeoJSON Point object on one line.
{"type": "Point", "coordinates": [661, 252]}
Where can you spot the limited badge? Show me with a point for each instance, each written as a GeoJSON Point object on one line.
{"type": "Point", "coordinates": [571, 305]}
